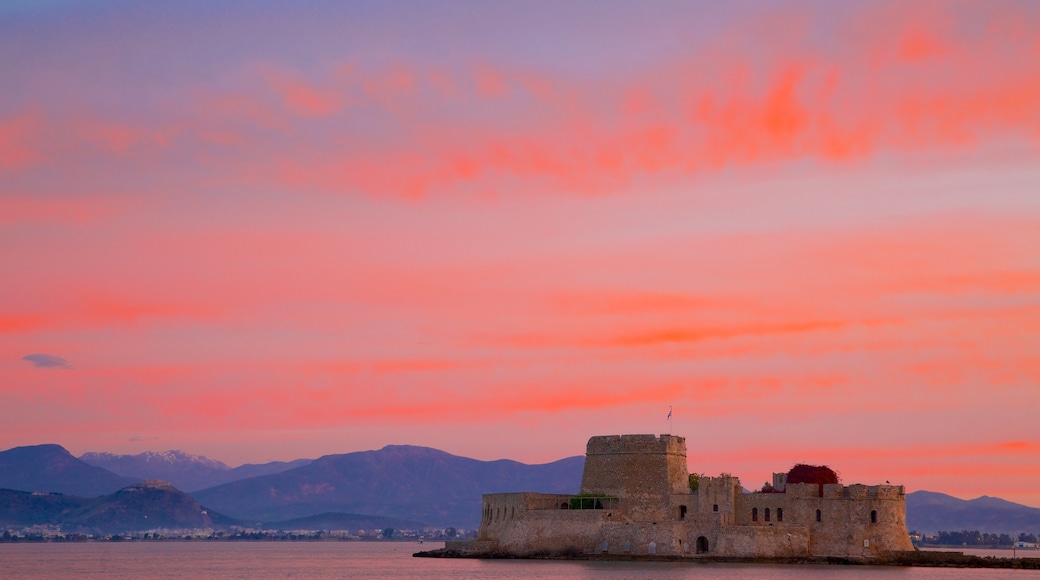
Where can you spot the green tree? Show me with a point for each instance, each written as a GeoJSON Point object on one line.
{"type": "Point", "coordinates": [388, 533]}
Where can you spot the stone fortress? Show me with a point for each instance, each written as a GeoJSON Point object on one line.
{"type": "Point", "coordinates": [636, 500]}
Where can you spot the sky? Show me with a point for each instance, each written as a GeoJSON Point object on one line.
{"type": "Point", "coordinates": [267, 230]}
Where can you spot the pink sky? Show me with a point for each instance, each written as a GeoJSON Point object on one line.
{"type": "Point", "coordinates": [261, 231]}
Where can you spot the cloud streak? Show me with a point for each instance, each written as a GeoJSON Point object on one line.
{"type": "Point", "coordinates": [47, 361]}
{"type": "Point", "coordinates": [409, 130]}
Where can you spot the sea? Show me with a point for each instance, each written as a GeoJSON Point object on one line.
{"type": "Point", "coordinates": [374, 560]}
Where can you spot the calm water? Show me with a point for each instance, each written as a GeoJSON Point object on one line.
{"type": "Point", "coordinates": [269, 560]}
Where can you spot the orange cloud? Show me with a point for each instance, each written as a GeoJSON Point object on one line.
{"type": "Point", "coordinates": [681, 335]}
{"type": "Point", "coordinates": [303, 98]}
{"type": "Point", "coordinates": [95, 314]}
{"type": "Point", "coordinates": [926, 85]}
{"type": "Point", "coordinates": [34, 210]}
{"type": "Point", "coordinates": [20, 323]}
{"type": "Point", "coordinates": [19, 135]}
{"type": "Point", "coordinates": [601, 302]}
{"type": "Point", "coordinates": [490, 83]}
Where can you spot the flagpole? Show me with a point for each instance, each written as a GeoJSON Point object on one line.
{"type": "Point", "coordinates": [669, 419]}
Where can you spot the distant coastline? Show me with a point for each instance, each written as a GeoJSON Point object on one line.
{"type": "Point", "coordinates": [244, 537]}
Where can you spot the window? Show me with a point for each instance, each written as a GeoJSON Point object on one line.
{"type": "Point", "coordinates": [715, 508]}
{"type": "Point", "coordinates": [779, 514]}
{"type": "Point", "coordinates": [819, 516]}
{"type": "Point", "coordinates": [873, 516]}
{"type": "Point", "coordinates": [754, 514]}
{"type": "Point", "coordinates": [767, 514]}
{"type": "Point", "coordinates": [682, 512]}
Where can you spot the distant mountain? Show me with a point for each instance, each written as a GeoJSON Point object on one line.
{"type": "Point", "coordinates": [184, 470]}
{"type": "Point", "coordinates": [145, 506]}
{"type": "Point", "coordinates": [255, 469]}
{"type": "Point", "coordinates": [402, 481]}
{"type": "Point", "coordinates": [50, 468]}
{"type": "Point", "coordinates": [142, 506]}
{"type": "Point", "coordinates": [339, 521]}
{"type": "Point", "coordinates": [19, 509]}
{"type": "Point", "coordinates": [929, 512]}
{"type": "Point", "coordinates": [362, 489]}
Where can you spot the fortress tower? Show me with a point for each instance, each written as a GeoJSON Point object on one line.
{"type": "Point", "coordinates": [643, 470]}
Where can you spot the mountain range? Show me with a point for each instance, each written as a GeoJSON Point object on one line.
{"type": "Point", "coordinates": [929, 512]}
{"type": "Point", "coordinates": [400, 484]}
{"type": "Point", "coordinates": [185, 471]}
{"type": "Point", "coordinates": [402, 481]}
{"type": "Point", "coordinates": [52, 469]}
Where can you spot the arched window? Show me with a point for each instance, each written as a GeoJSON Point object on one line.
{"type": "Point", "coordinates": [779, 514]}
{"type": "Point", "coordinates": [754, 514]}
{"type": "Point", "coordinates": [819, 516]}
{"type": "Point", "coordinates": [767, 514]}
{"type": "Point", "coordinates": [873, 516]}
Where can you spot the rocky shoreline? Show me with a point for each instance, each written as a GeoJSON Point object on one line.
{"type": "Point", "coordinates": [915, 558]}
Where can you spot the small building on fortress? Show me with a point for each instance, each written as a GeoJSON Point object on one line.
{"type": "Point", "coordinates": [636, 499]}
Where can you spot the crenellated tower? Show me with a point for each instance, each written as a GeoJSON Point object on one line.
{"type": "Point", "coordinates": [643, 470]}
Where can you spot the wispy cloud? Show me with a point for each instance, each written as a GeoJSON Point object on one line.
{"type": "Point", "coordinates": [352, 127]}
{"type": "Point", "coordinates": [47, 361]}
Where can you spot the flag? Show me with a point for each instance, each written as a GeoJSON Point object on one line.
{"type": "Point", "coordinates": [669, 412]}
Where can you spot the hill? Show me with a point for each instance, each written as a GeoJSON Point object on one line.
{"type": "Point", "coordinates": [142, 506]}
{"type": "Point", "coordinates": [401, 481]}
{"type": "Point", "coordinates": [20, 509]}
{"type": "Point", "coordinates": [185, 471]}
{"type": "Point", "coordinates": [929, 512]}
{"type": "Point", "coordinates": [146, 506]}
{"type": "Point", "coordinates": [50, 468]}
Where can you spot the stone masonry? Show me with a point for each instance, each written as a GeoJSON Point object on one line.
{"type": "Point", "coordinates": [635, 499]}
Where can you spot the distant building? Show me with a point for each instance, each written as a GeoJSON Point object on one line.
{"type": "Point", "coordinates": [636, 499]}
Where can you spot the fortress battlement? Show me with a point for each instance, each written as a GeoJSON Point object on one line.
{"type": "Point", "coordinates": [636, 499]}
{"type": "Point", "coordinates": [849, 492]}
{"type": "Point", "coordinates": [643, 444]}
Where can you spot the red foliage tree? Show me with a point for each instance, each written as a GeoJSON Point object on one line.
{"type": "Point", "coordinates": [818, 474]}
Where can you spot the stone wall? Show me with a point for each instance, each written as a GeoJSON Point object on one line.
{"type": "Point", "coordinates": [718, 495]}
{"type": "Point", "coordinates": [762, 541]}
{"type": "Point", "coordinates": [651, 510]}
{"type": "Point", "coordinates": [644, 469]}
{"type": "Point", "coordinates": [533, 523]}
{"type": "Point", "coordinates": [855, 520]}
